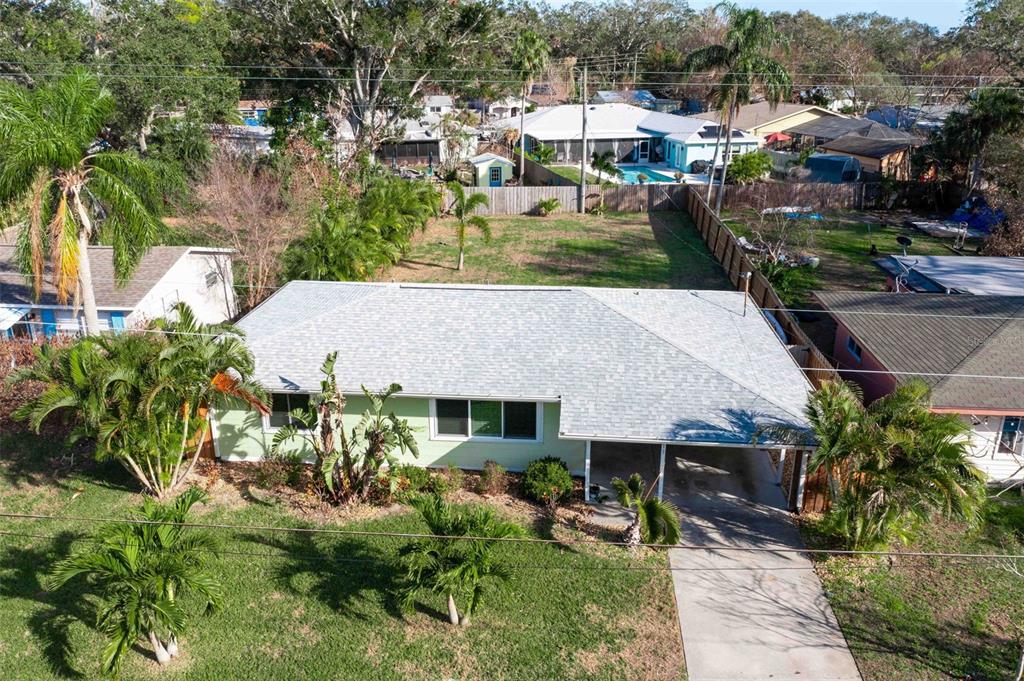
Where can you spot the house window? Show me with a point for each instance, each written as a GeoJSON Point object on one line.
{"type": "Point", "coordinates": [854, 348]}
{"type": "Point", "coordinates": [281, 406]}
{"type": "Point", "coordinates": [486, 419]}
{"type": "Point", "coordinates": [435, 109]}
{"type": "Point", "coordinates": [1009, 437]}
{"type": "Point", "coordinates": [211, 279]}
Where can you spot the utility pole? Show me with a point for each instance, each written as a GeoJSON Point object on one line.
{"type": "Point", "coordinates": [582, 200]}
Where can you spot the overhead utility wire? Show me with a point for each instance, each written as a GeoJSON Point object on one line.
{"type": "Point", "coordinates": [512, 540]}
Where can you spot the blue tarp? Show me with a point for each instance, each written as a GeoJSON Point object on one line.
{"type": "Point", "coordinates": [978, 215]}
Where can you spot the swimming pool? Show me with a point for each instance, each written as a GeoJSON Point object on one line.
{"type": "Point", "coordinates": [631, 175]}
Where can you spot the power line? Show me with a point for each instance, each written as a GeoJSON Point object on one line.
{"type": "Point", "coordinates": [512, 540]}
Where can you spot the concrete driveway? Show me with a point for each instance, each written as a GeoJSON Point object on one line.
{"type": "Point", "coordinates": [747, 615]}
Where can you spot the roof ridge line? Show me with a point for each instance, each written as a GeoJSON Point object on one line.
{"type": "Point", "coordinates": [686, 352]}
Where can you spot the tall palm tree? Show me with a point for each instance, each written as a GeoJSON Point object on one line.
{"type": "Point", "coordinates": [75, 190]}
{"type": "Point", "coordinates": [529, 59]}
{"type": "Point", "coordinates": [142, 572]}
{"type": "Point", "coordinates": [462, 208]}
{"type": "Point", "coordinates": [458, 568]}
{"type": "Point", "coordinates": [743, 65]}
{"type": "Point", "coordinates": [604, 164]}
{"type": "Point", "coordinates": [655, 521]}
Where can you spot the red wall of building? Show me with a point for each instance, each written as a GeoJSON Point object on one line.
{"type": "Point", "coordinates": [874, 385]}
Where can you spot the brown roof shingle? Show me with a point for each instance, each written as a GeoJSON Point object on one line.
{"type": "Point", "coordinates": [942, 334]}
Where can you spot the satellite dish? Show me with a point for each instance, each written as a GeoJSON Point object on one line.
{"type": "Point", "coordinates": [904, 241]}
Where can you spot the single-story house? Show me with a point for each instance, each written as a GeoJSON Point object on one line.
{"type": "Point", "coordinates": [967, 348]}
{"type": "Point", "coordinates": [514, 373]}
{"type": "Point", "coordinates": [818, 132]}
{"type": "Point", "coordinates": [421, 140]}
{"type": "Point", "coordinates": [888, 157]}
{"type": "Point", "coordinates": [166, 275]}
{"type": "Point", "coordinates": [682, 148]}
{"type": "Point", "coordinates": [635, 135]}
{"type": "Point", "coordinates": [925, 119]}
{"type": "Point", "coordinates": [977, 275]}
{"type": "Point", "coordinates": [253, 112]}
{"type": "Point", "coordinates": [761, 121]}
{"type": "Point", "coordinates": [438, 105]}
{"type": "Point", "coordinates": [253, 140]}
{"type": "Point", "coordinates": [491, 170]}
{"type": "Point", "coordinates": [644, 99]}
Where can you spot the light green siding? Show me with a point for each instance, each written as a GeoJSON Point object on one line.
{"type": "Point", "coordinates": [240, 437]}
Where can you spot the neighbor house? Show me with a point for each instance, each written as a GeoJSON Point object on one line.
{"type": "Point", "coordinates": [683, 148]}
{"type": "Point", "coordinates": [978, 275]}
{"type": "Point", "coordinates": [634, 135]}
{"type": "Point", "coordinates": [887, 157]}
{"type": "Point", "coordinates": [967, 348]}
{"type": "Point", "coordinates": [514, 373]}
{"type": "Point", "coordinates": [763, 121]}
{"type": "Point", "coordinates": [818, 132]}
{"type": "Point", "coordinates": [165, 276]}
{"type": "Point", "coordinates": [644, 99]}
{"type": "Point", "coordinates": [491, 170]}
{"type": "Point", "coordinates": [423, 140]}
{"type": "Point", "coordinates": [253, 112]}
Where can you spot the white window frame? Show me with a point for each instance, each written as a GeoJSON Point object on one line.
{"type": "Point", "coordinates": [267, 428]}
{"type": "Point", "coordinates": [441, 437]}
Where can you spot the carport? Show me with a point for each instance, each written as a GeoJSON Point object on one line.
{"type": "Point", "coordinates": [749, 469]}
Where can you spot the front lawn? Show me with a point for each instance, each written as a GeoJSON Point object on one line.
{"type": "Point", "coordinates": [843, 242]}
{"type": "Point", "coordinates": [915, 619]}
{"type": "Point", "coordinates": [305, 606]}
{"type": "Point", "coordinates": [655, 250]}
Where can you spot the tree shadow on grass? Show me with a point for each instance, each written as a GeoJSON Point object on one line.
{"type": "Point", "coordinates": [947, 649]}
{"type": "Point", "coordinates": [21, 571]}
{"type": "Point", "coordinates": [353, 576]}
{"type": "Point", "coordinates": [34, 460]}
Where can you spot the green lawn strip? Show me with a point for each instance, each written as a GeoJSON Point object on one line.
{"type": "Point", "coordinates": [930, 618]}
{"type": "Point", "coordinates": [572, 173]}
{"type": "Point", "coordinates": [844, 245]}
{"type": "Point", "coordinates": [659, 250]}
{"type": "Point", "coordinates": [324, 606]}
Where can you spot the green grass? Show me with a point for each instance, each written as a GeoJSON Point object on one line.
{"type": "Point", "coordinates": [656, 250]}
{"type": "Point", "coordinates": [305, 606]}
{"type": "Point", "coordinates": [843, 242]}
{"type": "Point", "coordinates": [572, 173]}
{"type": "Point", "coordinates": [930, 619]}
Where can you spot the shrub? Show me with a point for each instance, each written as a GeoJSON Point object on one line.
{"type": "Point", "coordinates": [546, 207]}
{"type": "Point", "coordinates": [446, 481]}
{"type": "Point", "coordinates": [414, 478]}
{"type": "Point", "coordinates": [493, 479]}
{"type": "Point", "coordinates": [750, 167]}
{"type": "Point", "coordinates": [547, 481]}
{"type": "Point", "coordinates": [792, 284]}
{"type": "Point", "coordinates": [281, 470]}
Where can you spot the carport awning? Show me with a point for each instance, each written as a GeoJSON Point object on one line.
{"type": "Point", "coordinates": [11, 315]}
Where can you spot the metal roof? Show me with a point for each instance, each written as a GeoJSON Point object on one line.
{"type": "Point", "coordinates": [921, 333]}
{"type": "Point", "coordinates": [832, 128]}
{"type": "Point", "coordinates": [625, 364]}
{"type": "Point", "coordinates": [978, 275]}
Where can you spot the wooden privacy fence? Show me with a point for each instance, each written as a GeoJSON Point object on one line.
{"type": "Point", "coordinates": [726, 248]}
{"type": "Point", "coordinates": [817, 195]}
{"type": "Point", "coordinates": [629, 198]}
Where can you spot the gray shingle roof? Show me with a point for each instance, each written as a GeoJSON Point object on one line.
{"type": "Point", "coordinates": [830, 128]}
{"type": "Point", "coordinates": [661, 365]}
{"type": "Point", "coordinates": [974, 336]}
{"type": "Point", "coordinates": [154, 264]}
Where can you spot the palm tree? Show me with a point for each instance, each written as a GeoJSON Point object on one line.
{"type": "Point", "coordinates": [655, 521]}
{"type": "Point", "coordinates": [143, 572]}
{"type": "Point", "coordinates": [742, 64]}
{"type": "Point", "coordinates": [604, 164]}
{"type": "Point", "coordinates": [74, 189]}
{"type": "Point", "coordinates": [462, 208]}
{"type": "Point", "coordinates": [146, 397]}
{"type": "Point", "coordinates": [891, 466]}
{"type": "Point", "coordinates": [458, 568]}
{"type": "Point", "coordinates": [529, 59]}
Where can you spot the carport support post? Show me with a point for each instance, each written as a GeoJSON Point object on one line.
{"type": "Point", "coordinates": [782, 466]}
{"type": "Point", "coordinates": [661, 472]}
{"type": "Point", "coordinates": [800, 482]}
{"type": "Point", "coordinates": [586, 473]}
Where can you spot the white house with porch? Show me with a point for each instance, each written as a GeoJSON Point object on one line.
{"type": "Point", "coordinates": [598, 377]}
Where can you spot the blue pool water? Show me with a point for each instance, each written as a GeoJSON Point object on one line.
{"type": "Point", "coordinates": [630, 175]}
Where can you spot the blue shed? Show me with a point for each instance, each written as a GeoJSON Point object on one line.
{"type": "Point", "coordinates": [834, 168]}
